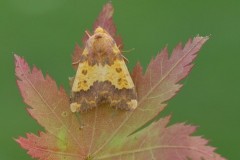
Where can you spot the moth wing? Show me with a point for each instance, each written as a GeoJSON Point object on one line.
{"type": "Point", "coordinates": [119, 76]}
{"type": "Point", "coordinates": [85, 77]}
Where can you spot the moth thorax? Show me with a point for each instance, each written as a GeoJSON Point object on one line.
{"type": "Point", "coordinates": [101, 44]}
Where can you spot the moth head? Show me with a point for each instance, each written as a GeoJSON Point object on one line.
{"type": "Point", "coordinates": [101, 34]}
{"type": "Point", "coordinates": [101, 42]}
{"type": "Point", "coordinates": [99, 30]}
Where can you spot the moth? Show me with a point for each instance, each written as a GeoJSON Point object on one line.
{"type": "Point", "coordinates": [102, 76]}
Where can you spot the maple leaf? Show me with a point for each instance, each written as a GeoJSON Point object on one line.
{"type": "Point", "coordinates": [104, 133]}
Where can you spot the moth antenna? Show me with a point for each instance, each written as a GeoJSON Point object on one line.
{"type": "Point", "coordinates": [127, 51]}
{"type": "Point", "coordinates": [74, 63]}
{"type": "Point", "coordinates": [87, 34]}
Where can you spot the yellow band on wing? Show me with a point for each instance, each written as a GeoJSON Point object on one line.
{"type": "Point", "coordinates": [117, 74]}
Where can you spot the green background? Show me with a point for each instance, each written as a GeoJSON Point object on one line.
{"type": "Point", "coordinates": [44, 32]}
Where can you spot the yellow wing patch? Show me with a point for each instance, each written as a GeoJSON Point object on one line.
{"type": "Point", "coordinates": [117, 74]}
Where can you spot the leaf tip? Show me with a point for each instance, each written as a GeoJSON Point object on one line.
{"type": "Point", "coordinates": [19, 140]}
{"type": "Point", "coordinates": [202, 38]}
{"type": "Point", "coordinates": [16, 57]}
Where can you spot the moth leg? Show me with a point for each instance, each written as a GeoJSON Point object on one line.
{"type": "Point", "coordinates": [125, 59]}
{"type": "Point", "coordinates": [71, 80]}
{"type": "Point", "coordinates": [87, 34]}
{"type": "Point", "coordinates": [77, 62]}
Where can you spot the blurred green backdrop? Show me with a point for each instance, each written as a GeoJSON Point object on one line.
{"type": "Point", "coordinates": [45, 32]}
